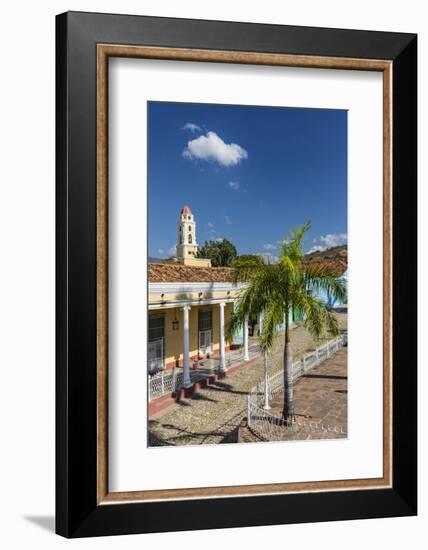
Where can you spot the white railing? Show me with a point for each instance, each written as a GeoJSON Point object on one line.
{"type": "Point", "coordinates": [164, 382]}
{"type": "Point", "coordinates": [170, 381]}
{"type": "Point", "coordinates": [272, 428]}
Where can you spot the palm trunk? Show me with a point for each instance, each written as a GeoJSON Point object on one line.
{"type": "Point", "coordinates": [288, 407]}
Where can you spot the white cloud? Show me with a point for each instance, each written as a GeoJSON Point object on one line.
{"type": "Point", "coordinates": [316, 248]}
{"type": "Point", "coordinates": [228, 220]}
{"type": "Point", "coordinates": [192, 127]}
{"type": "Point", "coordinates": [235, 185]}
{"type": "Point", "coordinates": [333, 239]}
{"type": "Point", "coordinates": [212, 147]}
{"type": "Point", "coordinates": [268, 257]}
{"type": "Point", "coordinates": [167, 253]}
{"type": "Point", "coordinates": [210, 225]}
{"type": "Point", "coordinates": [328, 241]}
{"type": "Point", "coordinates": [269, 246]}
{"type": "Point", "coordinates": [219, 239]}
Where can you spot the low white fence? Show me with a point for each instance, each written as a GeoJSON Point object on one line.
{"type": "Point", "coordinates": [306, 363]}
{"type": "Point", "coordinates": [164, 382]}
{"type": "Point", "coordinates": [270, 427]}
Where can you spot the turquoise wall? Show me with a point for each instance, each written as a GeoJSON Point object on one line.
{"type": "Point", "coordinates": [328, 300]}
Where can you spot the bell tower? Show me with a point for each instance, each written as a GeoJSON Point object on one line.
{"type": "Point", "coordinates": [187, 247]}
{"type": "Point", "coordinates": [186, 244]}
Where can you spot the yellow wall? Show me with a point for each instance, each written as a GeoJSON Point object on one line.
{"type": "Point", "coordinates": [195, 262]}
{"type": "Point", "coordinates": [174, 338]}
{"type": "Point", "coordinates": [153, 298]}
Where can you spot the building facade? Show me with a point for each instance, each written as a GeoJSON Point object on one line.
{"type": "Point", "coordinates": [190, 305]}
{"type": "Point", "coordinates": [189, 310]}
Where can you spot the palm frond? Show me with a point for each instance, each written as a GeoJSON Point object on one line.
{"type": "Point", "coordinates": [272, 319]}
{"type": "Point", "coordinates": [292, 247]}
{"type": "Point", "coordinates": [254, 298]}
{"type": "Point", "coordinates": [246, 267]}
{"type": "Point", "coordinates": [274, 288]}
{"type": "Point", "coordinates": [321, 279]}
{"type": "Point", "coordinates": [235, 323]}
{"type": "Point", "coordinates": [317, 319]}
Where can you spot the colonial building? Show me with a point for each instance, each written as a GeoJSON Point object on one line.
{"type": "Point", "coordinates": [190, 304]}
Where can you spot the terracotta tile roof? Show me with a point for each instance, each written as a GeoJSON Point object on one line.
{"type": "Point", "coordinates": [177, 273]}
{"type": "Point", "coordinates": [335, 266]}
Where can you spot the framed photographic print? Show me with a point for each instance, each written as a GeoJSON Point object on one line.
{"type": "Point", "coordinates": [236, 274]}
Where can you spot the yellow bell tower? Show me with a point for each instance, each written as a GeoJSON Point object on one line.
{"type": "Point", "coordinates": [187, 246]}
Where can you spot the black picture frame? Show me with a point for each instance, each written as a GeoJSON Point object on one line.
{"type": "Point", "coordinates": [77, 511]}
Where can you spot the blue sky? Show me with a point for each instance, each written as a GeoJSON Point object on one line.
{"type": "Point", "coordinates": [249, 174]}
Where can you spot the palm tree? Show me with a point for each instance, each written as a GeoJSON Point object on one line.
{"type": "Point", "coordinates": [278, 289]}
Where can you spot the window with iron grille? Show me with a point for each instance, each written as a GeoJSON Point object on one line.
{"type": "Point", "coordinates": [156, 344]}
{"type": "Point", "coordinates": [156, 326]}
{"type": "Point", "coordinates": [205, 322]}
{"type": "Point", "coordinates": [205, 319]}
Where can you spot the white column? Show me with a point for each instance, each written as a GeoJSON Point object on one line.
{"type": "Point", "coordinates": [266, 405]}
{"type": "Point", "coordinates": [222, 367]}
{"type": "Point", "coordinates": [186, 360]}
{"type": "Point", "coordinates": [246, 355]}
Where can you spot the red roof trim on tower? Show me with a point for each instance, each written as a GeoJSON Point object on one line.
{"type": "Point", "coordinates": [186, 210]}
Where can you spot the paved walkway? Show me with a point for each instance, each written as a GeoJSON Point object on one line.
{"type": "Point", "coordinates": [321, 396]}
{"type": "Point", "coordinates": [213, 415]}
{"type": "Point", "coordinates": [233, 357]}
